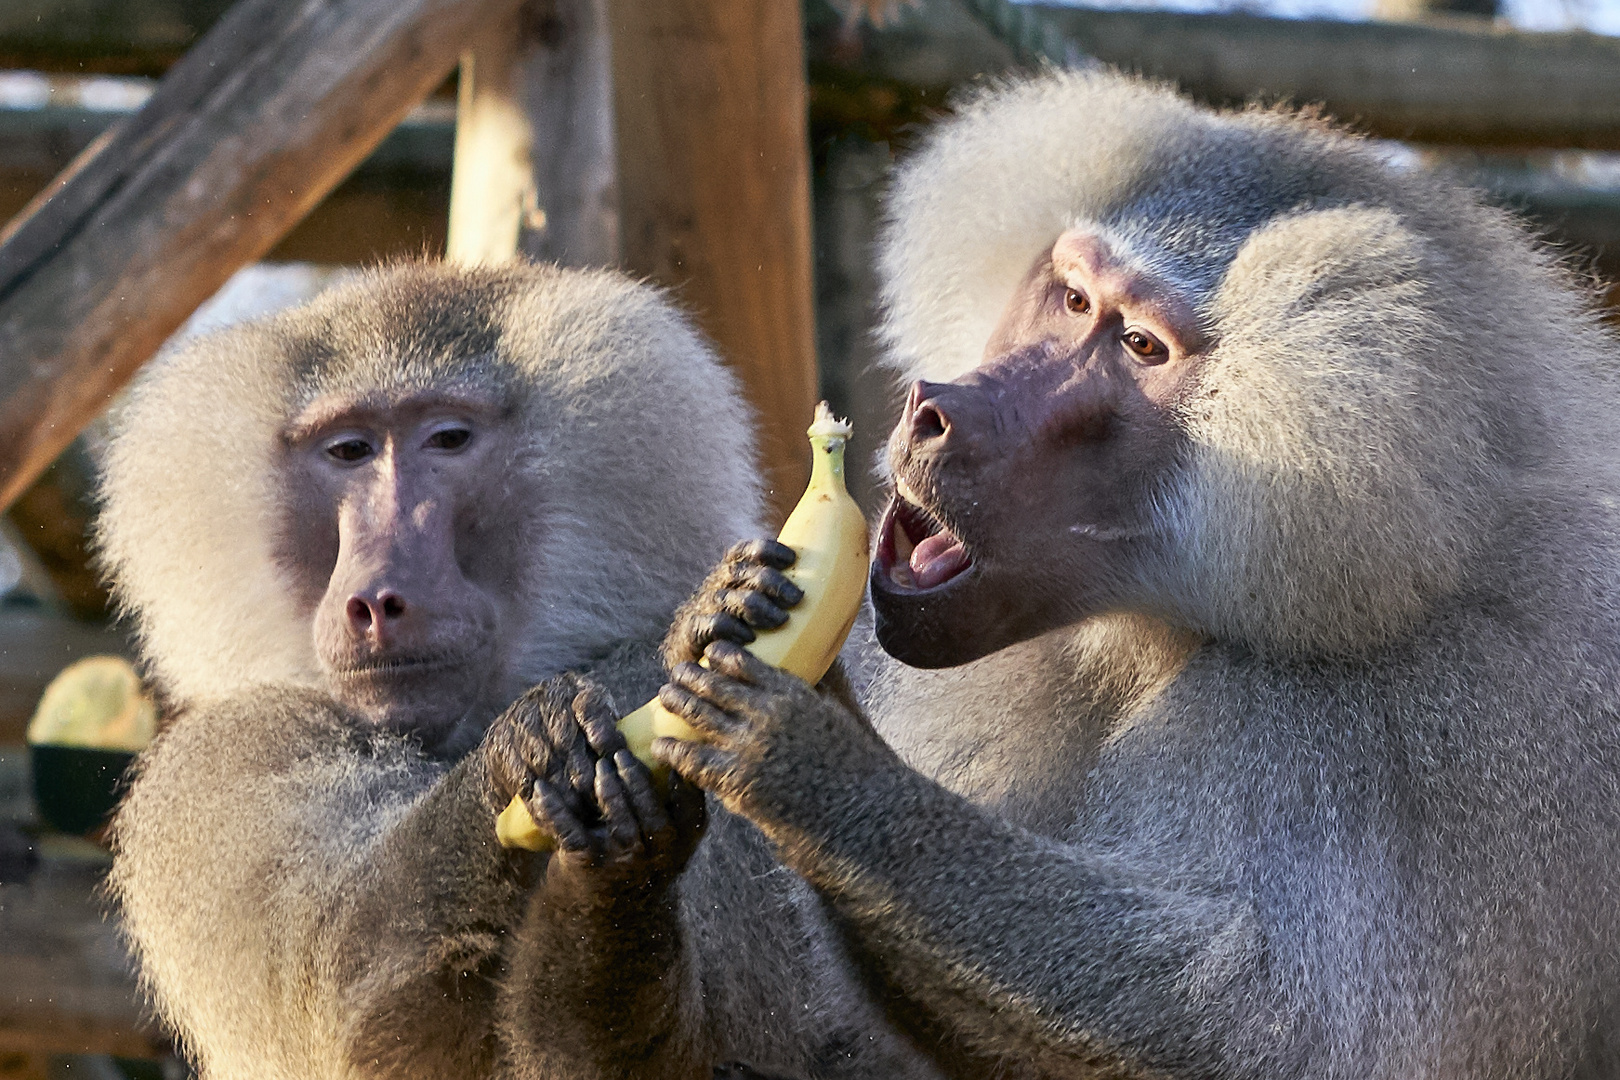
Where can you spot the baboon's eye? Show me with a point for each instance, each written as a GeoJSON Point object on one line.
{"type": "Point", "coordinates": [350, 450]}
{"type": "Point", "coordinates": [1145, 347]}
{"type": "Point", "coordinates": [450, 438]}
{"type": "Point", "coordinates": [1076, 301]}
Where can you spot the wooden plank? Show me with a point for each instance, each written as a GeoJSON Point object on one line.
{"type": "Point", "coordinates": [709, 101]}
{"type": "Point", "coordinates": [1466, 81]}
{"type": "Point", "coordinates": [45, 141]}
{"type": "Point", "coordinates": [534, 162]}
{"type": "Point", "coordinates": [242, 138]}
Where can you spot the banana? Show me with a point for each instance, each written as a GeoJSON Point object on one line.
{"type": "Point", "coordinates": [828, 532]}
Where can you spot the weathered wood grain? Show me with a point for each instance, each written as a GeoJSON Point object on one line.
{"type": "Point", "coordinates": [392, 206]}
{"type": "Point", "coordinates": [129, 36]}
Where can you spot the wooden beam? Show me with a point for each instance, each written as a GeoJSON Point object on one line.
{"type": "Point", "coordinates": [247, 133]}
{"type": "Point", "coordinates": [45, 141]}
{"type": "Point", "coordinates": [1468, 81]}
{"type": "Point", "coordinates": [709, 102]}
{"type": "Point", "coordinates": [534, 159]}
{"type": "Point", "coordinates": [1463, 81]}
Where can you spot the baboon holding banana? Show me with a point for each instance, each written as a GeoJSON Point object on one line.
{"type": "Point", "coordinates": [353, 538]}
{"type": "Point", "coordinates": [1254, 550]}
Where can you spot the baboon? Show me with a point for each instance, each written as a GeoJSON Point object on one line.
{"type": "Point", "coordinates": [1255, 562]}
{"type": "Point", "coordinates": [354, 538]}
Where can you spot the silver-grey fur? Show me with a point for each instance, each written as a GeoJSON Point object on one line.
{"type": "Point", "coordinates": [1378, 793]}
{"type": "Point", "coordinates": [309, 897]}
{"type": "Point", "coordinates": [1336, 794]}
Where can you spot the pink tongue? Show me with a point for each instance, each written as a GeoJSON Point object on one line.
{"type": "Point", "coordinates": [938, 558]}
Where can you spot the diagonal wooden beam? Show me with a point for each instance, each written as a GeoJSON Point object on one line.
{"type": "Point", "coordinates": [264, 116]}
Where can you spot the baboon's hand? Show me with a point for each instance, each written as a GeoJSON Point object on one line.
{"type": "Point", "coordinates": [540, 744]}
{"type": "Point", "coordinates": [559, 748]}
{"type": "Point", "coordinates": [631, 839]}
{"type": "Point", "coordinates": [745, 593]}
{"type": "Point", "coordinates": [793, 758]}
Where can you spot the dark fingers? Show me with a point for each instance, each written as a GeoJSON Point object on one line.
{"type": "Point", "coordinates": [755, 609]}
{"type": "Point", "coordinates": [698, 763]}
{"type": "Point", "coordinates": [539, 755]}
{"type": "Point", "coordinates": [638, 785]}
{"type": "Point", "coordinates": [617, 814]}
{"type": "Point", "coordinates": [599, 720]}
{"type": "Point", "coordinates": [771, 583]}
{"type": "Point", "coordinates": [568, 758]}
{"type": "Point", "coordinates": [772, 553]}
{"type": "Point", "coordinates": [549, 810]}
{"type": "Point", "coordinates": [681, 696]}
{"type": "Point", "coordinates": [720, 626]}
{"type": "Point", "coordinates": [737, 663]}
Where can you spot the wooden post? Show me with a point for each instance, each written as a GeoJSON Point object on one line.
{"type": "Point", "coordinates": [534, 165]}
{"type": "Point", "coordinates": [261, 119]}
{"type": "Point", "coordinates": [714, 190]}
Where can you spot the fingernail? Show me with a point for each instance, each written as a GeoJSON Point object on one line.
{"type": "Point", "coordinates": [792, 594]}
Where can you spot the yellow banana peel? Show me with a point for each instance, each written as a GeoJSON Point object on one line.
{"type": "Point", "coordinates": [828, 532]}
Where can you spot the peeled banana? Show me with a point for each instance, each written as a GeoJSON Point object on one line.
{"type": "Point", "coordinates": [828, 533]}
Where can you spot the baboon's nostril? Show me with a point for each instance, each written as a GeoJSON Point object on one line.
{"type": "Point", "coordinates": [928, 423]}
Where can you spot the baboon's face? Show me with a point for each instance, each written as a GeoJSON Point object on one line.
{"type": "Point", "coordinates": [393, 538]}
{"type": "Point", "coordinates": [1023, 490]}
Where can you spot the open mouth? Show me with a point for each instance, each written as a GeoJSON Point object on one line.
{"type": "Point", "coordinates": [916, 551]}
